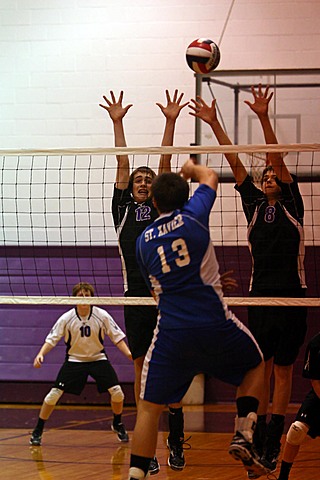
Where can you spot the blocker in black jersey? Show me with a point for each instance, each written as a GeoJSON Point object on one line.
{"type": "Point", "coordinates": [133, 211]}
{"type": "Point", "coordinates": [275, 235]}
{"type": "Point", "coordinates": [130, 219]}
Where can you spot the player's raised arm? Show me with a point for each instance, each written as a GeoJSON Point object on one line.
{"type": "Point", "coordinates": [171, 112]}
{"type": "Point", "coordinates": [209, 115]}
{"type": "Point", "coordinates": [260, 107]}
{"type": "Point", "coordinates": [117, 112]}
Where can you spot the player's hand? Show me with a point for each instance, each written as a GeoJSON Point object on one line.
{"type": "Point", "coordinates": [261, 100]}
{"type": "Point", "coordinates": [173, 108]}
{"type": "Point", "coordinates": [38, 361]}
{"type": "Point", "coordinates": [114, 107]}
{"type": "Point", "coordinates": [187, 169]}
{"type": "Point", "coordinates": [203, 111]}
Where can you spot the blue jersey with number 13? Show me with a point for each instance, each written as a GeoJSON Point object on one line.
{"type": "Point", "coordinates": [177, 259]}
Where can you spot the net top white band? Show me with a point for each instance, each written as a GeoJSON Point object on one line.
{"type": "Point", "coordinates": [230, 301]}
{"type": "Point", "coordinates": [293, 147]}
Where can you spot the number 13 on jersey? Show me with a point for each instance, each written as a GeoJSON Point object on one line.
{"type": "Point", "coordinates": [183, 259]}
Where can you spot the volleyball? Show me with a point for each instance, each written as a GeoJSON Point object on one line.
{"type": "Point", "coordinates": [203, 55]}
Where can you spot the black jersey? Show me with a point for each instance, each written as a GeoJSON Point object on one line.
{"type": "Point", "coordinates": [275, 236]}
{"type": "Point", "coordinates": [130, 219]}
{"type": "Point", "coordinates": [311, 366]}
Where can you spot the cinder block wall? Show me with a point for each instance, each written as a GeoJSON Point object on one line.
{"type": "Point", "coordinates": [58, 58]}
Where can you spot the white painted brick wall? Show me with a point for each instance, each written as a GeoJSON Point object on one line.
{"type": "Point", "coordinates": [58, 57]}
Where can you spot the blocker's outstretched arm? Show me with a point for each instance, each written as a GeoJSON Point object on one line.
{"type": "Point", "coordinates": [117, 112]}
{"type": "Point", "coordinates": [209, 115]}
{"type": "Point", "coordinates": [171, 111]}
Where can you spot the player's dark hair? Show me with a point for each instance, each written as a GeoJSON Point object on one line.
{"type": "Point", "coordinates": [142, 169]}
{"type": "Point", "coordinates": [170, 191]}
{"type": "Point", "coordinates": [87, 287]}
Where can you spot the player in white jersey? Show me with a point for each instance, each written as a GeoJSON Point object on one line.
{"type": "Point", "coordinates": [84, 328]}
{"type": "Point", "coordinates": [195, 331]}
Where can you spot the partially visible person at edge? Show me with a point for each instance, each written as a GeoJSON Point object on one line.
{"type": "Point", "coordinates": [84, 328]}
{"type": "Point", "coordinates": [307, 422]}
{"type": "Point", "coordinates": [275, 235]}
{"type": "Point", "coordinates": [133, 211]}
{"type": "Point", "coordinates": [195, 330]}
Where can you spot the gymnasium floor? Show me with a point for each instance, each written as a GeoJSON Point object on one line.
{"type": "Point", "coordinates": [78, 444]}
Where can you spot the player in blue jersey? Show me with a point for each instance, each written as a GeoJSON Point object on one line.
{"type": "Point", "coordinates": [275, 234]}
{"type": "Point", "coordinates": [195, 330]}
{"type": "Point", "coordinates": [307, 422]}
{"type": "Point", "coordinates": [132, 211]}
{"type": "Point", "coordinates": [84, 328]}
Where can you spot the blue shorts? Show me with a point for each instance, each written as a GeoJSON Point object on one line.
{"type": "Point", "coordinates": [227, 352]}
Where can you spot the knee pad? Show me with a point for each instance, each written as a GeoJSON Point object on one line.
{"type": "Point", "coordinates": [297, 433]}
{"type": "Point", "coordinates": [116, 393]}
{"type": "Point", "coordinates": [53, 396]}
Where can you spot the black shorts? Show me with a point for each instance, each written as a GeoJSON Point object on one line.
{"type": "Point", "coordinates": [140, 322]}
{"type": "Point", "coordinates": [309, 413]}
{"type": "Point", "coordinates": [73, 376]}
{"type": "Point", "coordinates": [279, 331]}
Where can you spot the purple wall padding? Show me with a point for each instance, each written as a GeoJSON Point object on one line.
{"type": "Point", "coordinates": [52, 271]}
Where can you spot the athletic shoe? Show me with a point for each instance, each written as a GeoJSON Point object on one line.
{"type": "Point", "coordinates": [132, 478]}
{"type": "Point", "coordinates": [241, 449]}
{"type": "Point", "coordinates": [176, 458]}
{"type": "Point", "coordinates": [154, 466]}
{"type": "Point", "coordinates": [135, 478]}
{"type": "Point", "coordinates": [121, 432]}
{"type": "Point", "coordinates": [271, 457]}
{"type": "Point", "coordinates": [35, 438]}
{"type": "Point", "coordinates": [137, 474]}
{"type": "Point", "coordinates": [259, 436]}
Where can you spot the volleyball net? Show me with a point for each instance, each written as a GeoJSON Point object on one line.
{"type": "Point", "coordinates": [56, 226]}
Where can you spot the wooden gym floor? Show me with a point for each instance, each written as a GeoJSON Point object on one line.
{"type": "Point", "coordinates": [78, 445]}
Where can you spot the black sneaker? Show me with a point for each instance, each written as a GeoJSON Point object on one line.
{"type": "Point", "coordinates": [176, 459]}
{"type": "Point", "coordinates": [273, 442]}
{"type": "Point", "coordinates": [241, 449]}
{"type": "Point", "coordinates": [35, 438]}
{"type": "Point", "coordinates": [121, 432]}
{"type": "Point", "coordinates": [259, 437]}
{"type": "Point", "coordinates": [154, 466]}
{"type": "Point", "coordinates": [271, 457]}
